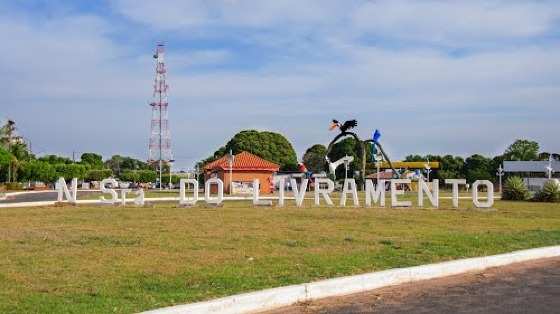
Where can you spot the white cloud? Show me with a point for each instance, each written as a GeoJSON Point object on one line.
{"type": "Point", "coordinates": [177, 14]}
{"type": "Point", "coordinates": [195, 58]}
{"type": "Point", "coordinates": [70, 73]}
{"type": "Point", "coordinates": [456, 22]}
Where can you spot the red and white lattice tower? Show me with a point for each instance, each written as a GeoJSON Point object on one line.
{"type": "Point", "coordinates": [160, 137]}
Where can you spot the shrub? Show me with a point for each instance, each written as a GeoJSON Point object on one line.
{"type": "Point", "coordinates": [146, 176]}
{"type": "Point", "coordinates": [130, 175]}
{"type": "Point", "coordinates": [515, 190]}
{"type": "Point", "coordinates": [174, 178]}
{"type": "Point", "coordinates": [14, 186]}
{"type": "Point", "coordinates": [98, 174]}
{"type": "Point", "coordinates": [549, 193]}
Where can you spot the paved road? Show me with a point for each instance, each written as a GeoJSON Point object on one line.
{"type": "Point", "coordinates": [40, 196]}
{"type": "Point", "coordinates": [532, 287]}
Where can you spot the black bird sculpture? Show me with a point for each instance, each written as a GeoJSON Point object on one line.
{"type": "Point", "coordinates": [343, 127]}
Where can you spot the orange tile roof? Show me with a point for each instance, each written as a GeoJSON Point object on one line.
{"type": "Point", "coordinates": [243, 161]}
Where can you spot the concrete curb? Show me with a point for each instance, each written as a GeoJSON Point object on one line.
{"type": "Point", "coordinates": [272, 298]}
{"type": "Point", "coordinates": [129, 201]}
{"type": "Point", "coordinates": [153, 199]}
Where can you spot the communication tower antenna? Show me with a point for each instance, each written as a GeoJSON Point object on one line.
{"type": "Point", "coordinates": [160, 137]}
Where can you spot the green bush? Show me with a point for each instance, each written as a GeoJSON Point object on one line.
{"type": "Point", "coordinates": [13, 186]}
{"type": "Point", "coordinates": [98, 174]}
{"type": "Point", "coordinates": [515, 190]}
{"type": "Point", "coordinates": [36, 170]}
{"type": "Point", "coordinates": [549, 193]}
{"type": "Point", "coordinates": [130, 175]}
{"type": "Point", "coordinates": [174, 179]}
{"type": "Point", "coordinates": [70, 171]}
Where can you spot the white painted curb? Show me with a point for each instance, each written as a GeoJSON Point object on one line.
{"type": "Point", "coordinates": [129, 201]}
{"type": "Point", "coordinates": [272, 298]}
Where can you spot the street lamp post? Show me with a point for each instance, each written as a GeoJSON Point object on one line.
{"type": "Point", "coordinates": [500, 174]}
{"type": "Point", "coordinates": [170, 164]}
{"type": "Point", "coordinates": [346, 169]}
{"type": "Point", "coordinates": [231, 158]}
{"type": "Point", "coordinates": [548, 168]}
{"type": "Point", "coordinates": [378, 159]}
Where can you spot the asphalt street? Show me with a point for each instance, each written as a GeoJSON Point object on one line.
{"type": "Point", "coordinates": [532, 287]}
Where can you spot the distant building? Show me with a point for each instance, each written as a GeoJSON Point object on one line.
{"type": "Point", "coordinates": [245, 168]}
{"type": "Point", "coordinates": [534, 173]}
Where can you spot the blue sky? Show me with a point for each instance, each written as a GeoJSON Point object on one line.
{"type": "Point", "coordinates": [458, 77]}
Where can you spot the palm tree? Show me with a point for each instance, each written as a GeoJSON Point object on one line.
{"type": "Point", "coordinates": [15, 145]}
{"type": "Point", "coordinates": [7, 132]}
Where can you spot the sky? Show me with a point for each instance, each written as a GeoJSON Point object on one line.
{"type": "Point", "coordinates": [457, 77]}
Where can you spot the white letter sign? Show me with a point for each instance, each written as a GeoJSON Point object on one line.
{"type": "Point", "coordinates": [490, 191]}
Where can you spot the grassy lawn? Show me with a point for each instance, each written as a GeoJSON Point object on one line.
{"type": "Point", "coordinates": [101, 259]}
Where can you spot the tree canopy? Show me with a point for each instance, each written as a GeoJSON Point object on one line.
{"type": "Point", "coordinates": [93, 160]}
{"type": "Point", "coordinates": [351, 147]}
{"type": "Point", "coordinates": [5, 158]}
{"type": "Point", "coordinates": [522, 150]}
{"type": "Point", "coordinates": [314, 158]}
{"type": "Point", "coordinates": [54, 159]}
{"type": "Point", "coordinates": [118, 164]}
{"type": "Point", "coordinates": [478, 167]}
{"type": "Point", "coordinates": [36, 170]}
{"type": "Point", "coordinates": [268, 145]}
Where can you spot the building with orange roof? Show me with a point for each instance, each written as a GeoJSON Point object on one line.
{"type": "Point", "coordinates": [239, 178]}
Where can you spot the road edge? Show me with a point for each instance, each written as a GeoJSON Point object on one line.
{"type": "Point", "coordinates": [284, 296]}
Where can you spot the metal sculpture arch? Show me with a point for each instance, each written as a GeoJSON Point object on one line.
{"type": "Point", "coordinates": [361, 151]}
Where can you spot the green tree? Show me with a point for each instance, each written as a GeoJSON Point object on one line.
{"type": "Point", "coordinates": [412, 158]}
{"type": "Point", "coordinates": [16, 146]}
{"type": "Point", "coordinates": [8, 134]}
{"type": "Point", "coordinates": [70, 171]}
{"type": "Point", "coordinates": [98, 174]}
{"type": "Point", "coordinates": [118, 164]}
{"type": "Point", "coordinates": [36, 170]}
{"type": "Point", "coordinates": [174, 178]}
{"type": "Point", "coordinates": [19, 154]}
{"type": "Point", "coordinates": [478, 167]}
{"type": "Point", "coordinates": [314, 158]}
{"type": "Point", "coordinates": [451, 167]}
{"type": "Point", "coordinates": [130, 175]}
{"type": "Point", "coordinates": [268, 145]}
{"type": "Point", "coordinates": [351, 147]}
{"type": "Point", "coordinates": [522, 150]}
{"type": "Point", "coordinates": [93, 160]}
{"type": "Point", "coordinates": [55, 160]}
{"type": "Point", "coordinates": [546, 156]}
{"type": "Point", "coordinates": [146, 176]}
{"type": "Point", "coordinates": [5, 158]}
